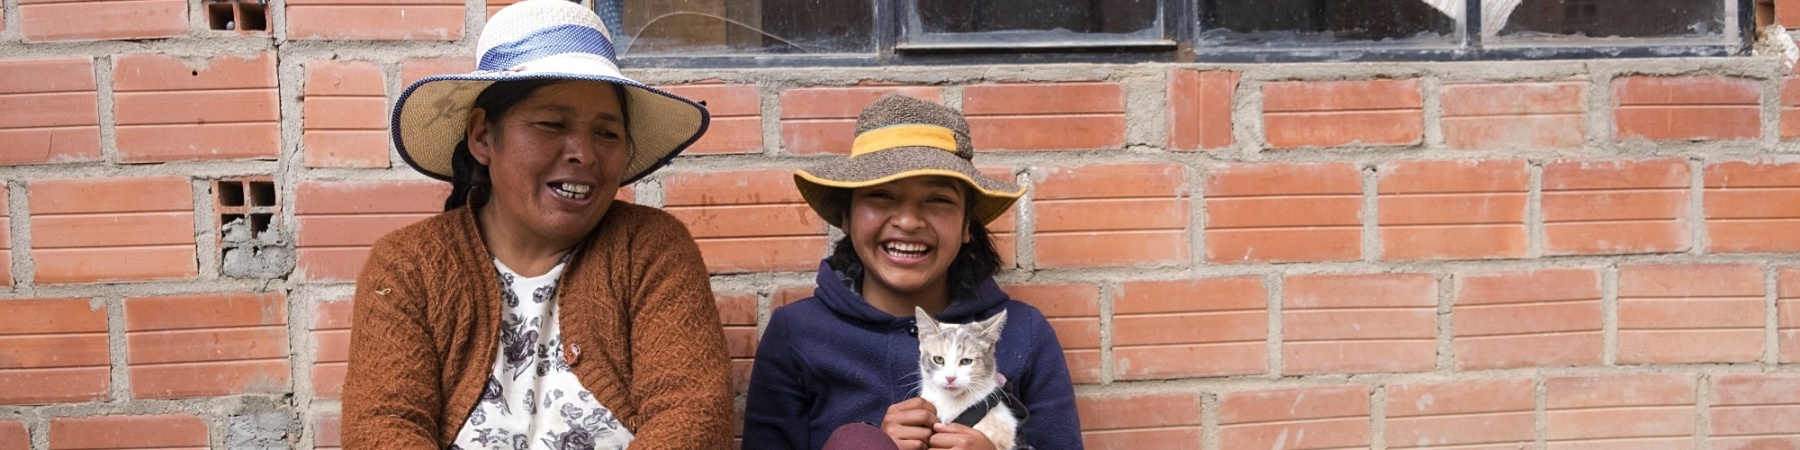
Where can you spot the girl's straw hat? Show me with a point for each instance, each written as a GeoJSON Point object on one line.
{"type": "Point", "coordinates": [899, 137]}
{"type": "Point", "coordinates": [534, 40]}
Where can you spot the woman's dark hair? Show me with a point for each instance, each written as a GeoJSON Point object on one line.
{"type": "Point", "coordinates": [975, 262]}
{"type": "Point", "coordinates": [469, 182]}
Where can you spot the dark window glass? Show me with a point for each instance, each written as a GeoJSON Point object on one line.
{"type": "Point", "coordinates": [728, 27]}
{"type": "Point", "coordinates": [1607, 18]}
{"type": "Point", "coordinates": [1039, 22]}
{"type": "Point", "coordinates": [1279, 22]}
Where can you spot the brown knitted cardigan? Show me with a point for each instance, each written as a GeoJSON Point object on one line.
{"type": "Point", "coordinates": [638, 322]}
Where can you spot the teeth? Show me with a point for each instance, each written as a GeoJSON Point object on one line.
{"type": "Point", "coordinates": [905, 247]}
{"type": "Point", "coordinates": [572, 190]}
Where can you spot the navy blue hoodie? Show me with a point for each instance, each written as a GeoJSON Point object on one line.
{"type": "Point", "coordinates": [833, 359]}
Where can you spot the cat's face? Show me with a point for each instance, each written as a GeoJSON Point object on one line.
{"type": "Point", "coordinates": [958, 358]}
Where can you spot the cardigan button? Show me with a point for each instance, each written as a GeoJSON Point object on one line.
{"type": "Point", "coordinates": [571, 353]}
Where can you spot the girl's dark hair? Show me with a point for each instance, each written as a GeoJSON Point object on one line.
{"type": "Point", "coordinates": [975, 262]}
{"type": "Point", "coordinates": [469, 182]}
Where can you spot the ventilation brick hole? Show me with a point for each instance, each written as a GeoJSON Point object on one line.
{"type": "Point", "coordinates": [259, 223]}
{"type": "Point", "coordinates": [251, 244]}
{"type": "Point", "coordinates": [262, 193]}
{"type": "Point", "coordinates": [231, 194]}
{"type": "Point", "coordinates": [237, 15]}
{"type": "Point", "coordinates": [220, 16]}
{"type": "Point", "coordinates": [250, 200]}
{"type": "Point", "coordinates": [235, 220]}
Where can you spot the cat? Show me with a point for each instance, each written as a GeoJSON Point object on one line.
{"type": "Point", "coordinates": [957, 372]}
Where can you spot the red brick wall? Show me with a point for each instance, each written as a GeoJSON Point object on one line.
{"type": "Point", "coordinates": [1304, 256]}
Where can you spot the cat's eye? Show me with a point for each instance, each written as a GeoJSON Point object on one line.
{"type": "Point", "coordinates": [967, 361]}
{"type": "Point", "coordinates": [939, 360]}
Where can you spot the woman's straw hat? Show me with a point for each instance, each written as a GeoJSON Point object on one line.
{"type": "Point", "coordinates": [534, 40]}
{"type": "Point", "coordinates": [899, 137]}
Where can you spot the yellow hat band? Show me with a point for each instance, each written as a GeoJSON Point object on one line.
{"type": "Point", "coordinates": [913, 135]}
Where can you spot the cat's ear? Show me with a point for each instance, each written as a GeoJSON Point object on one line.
{"type": "Point", "coordinates": [926, 325]}
{"type": "Point", "coordinates": [991, 327]}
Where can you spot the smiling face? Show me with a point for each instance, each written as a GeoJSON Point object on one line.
{"type": "Point", "coordinates": [555, 159]}
{"type": "Point", "coordinates": [907, 233]}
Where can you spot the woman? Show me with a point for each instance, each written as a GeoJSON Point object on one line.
{"type": "Point", "coordinates": [914, 212]}
{"type": "Point", "coordinates": [536, 312]}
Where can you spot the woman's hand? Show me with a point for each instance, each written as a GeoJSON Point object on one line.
{"type": "Point", "coordinates": [909, 422]}
{"type": "Point", "coordinates": [956, 436]}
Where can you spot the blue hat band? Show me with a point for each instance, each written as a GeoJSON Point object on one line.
{"type": "Point", "coordinates": [544, 43]}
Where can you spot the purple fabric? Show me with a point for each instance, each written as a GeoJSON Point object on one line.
{"type": "Point", "coordinates": [859, 436]}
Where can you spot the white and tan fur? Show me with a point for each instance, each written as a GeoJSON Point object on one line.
{"type": "Point", "coordinates": [952, 385]}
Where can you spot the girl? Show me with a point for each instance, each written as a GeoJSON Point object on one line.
{"type": "Point", "coordinates": [914, 212]}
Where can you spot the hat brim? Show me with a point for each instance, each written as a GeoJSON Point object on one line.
{"type": "Point", "coordinates": [817, 184]}
{"type": "Point", "coordinates": [432, 116]}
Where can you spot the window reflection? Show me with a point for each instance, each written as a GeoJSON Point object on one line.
{"type": "Point", "coordinates": [727, 27]}
{"type": "Point", "coordinates": [1613, 18]}
{"type": "Point", "coordinates": [1100, 16]}
{"type": "Point", "coordinates": [1322, 21]}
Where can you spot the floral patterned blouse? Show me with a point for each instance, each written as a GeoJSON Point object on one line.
{"type": "Point", "coordinates": [532, 400]}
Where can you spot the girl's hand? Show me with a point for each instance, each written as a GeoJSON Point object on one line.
{"type": "Point", "coordinates": [908, 423]}
{"type": "Point", "coordinates": [957, 436]}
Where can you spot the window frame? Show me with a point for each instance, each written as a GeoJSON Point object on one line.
{"type": "Point", "coordinates": [1181, 23]}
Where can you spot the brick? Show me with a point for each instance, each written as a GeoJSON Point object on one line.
{"type": "Point", "coordinates": [6, 249]}
{"type": "Point", "coordinates": [791, 294]}
{"type": "Point", "coordinates": [413, 20]}
{"type": "Point", "coordinates": [1456, 209]}
{"type": "Point", "coordinates": [1046, 116]}
{"type": "Point", "coordinates": [207, 345]}
{"type": "Point", "coordinates": [1497, 413]}
{"type": "Point", "coordinates": [1755, 411]}
{"type": "Point", "coordinates": [1515, 115]}
{"type": "Point", "coordinates": [345, 115]}
{"type": "Point", "coordinates": [1787, 311]}
{"type": "Point", "coordinates": [1191, 328]}
{"type": "Point", "coordinates": [1615, 207]}
{"type": "Point", "coordinates": [1140, 421]}
{"type": "Point", "coordinates": [49, 111]}
{"type": "Point", "coordinates": [328, 431]}
{"type": "Point", "coordinates": [1652, 411]}
{"type": "Point", "coordinates": [1080, 222]}
{"type": "Point", "coordinates": [823, 120]}
{"type": "Point", "coordinates": [1690, 313]}
{"type": "Point", "coordinates": [1787, 13]}
{"type": "Point", "coordinates": [1359, 323]}
{"type": "Point", "coordinates": [1298, 114]}
{"type": "Point", "coordinates": [1687, 108]}
{"type": "Point", "coordinates": [1790, 108]}
{"type": "Point", "coordinates": [738, 313]}
{"type": "Point", "coordinates": [1322, 417]}
{"type": "Point", "coordinates": [80, 218]}
{"type": "Point", "coordinates": [14, 435]}
{"type": "Point", "coordinates": [1003, 230]}
{"type": "Point", "coordinates": [736, 117]}
{"type": "Point", "coordinates": [331, 345]}
{"type": "Point", "coordinates": [49, 20]}
{"type": "Point", "coordinates": [1200, 108]}
{"type": "Point", "coordinates": [1074, 313]}
{"type": "Point", "coordinates": [1538, 318]}
{"type": "Point", "coordinates": [1751, 207]}
{"type": "Point", "coordinates": [494, 6]}
{"type": "Point", "coordinates": [168, 109]}
{"type": "Point", "coordinates": [337, 221]}
{"type": "Point", "coordinates": [127, 432]}
{"type": "Point", "coordinates": [1278, 212]}
{"type": "Point", "coordinates": [414, 69]}
{"type": "Point", "coordinates": [53, 351]}
{"type": "Point", "coordinates": [747, 221]}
